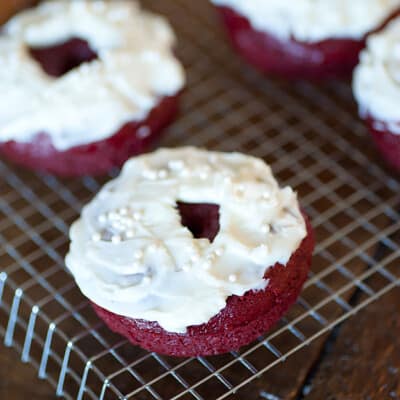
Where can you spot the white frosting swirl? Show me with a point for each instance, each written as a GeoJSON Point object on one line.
{"type": "Point", "coordinates": [376, 83]}
{"type": "Point", "coordinates": [131, 255]}
{"type": "Point", "coordinates": [314, 20]}
{"type": "Point", "coordinates": [134, 69]}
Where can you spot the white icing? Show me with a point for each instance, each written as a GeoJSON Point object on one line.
{"type": "Point", "coordinates": [376, 83]}
{"type": "Point", "coordinates": [131, 255]}
{"type": "Point", "coordinates": [314, 20]}
{"type": "Point", "coordinates": [135, 68]}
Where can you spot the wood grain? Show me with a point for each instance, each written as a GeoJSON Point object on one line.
{"type": "Point", "coordinates": [19, 381]}
{"type": "Point", "coordinates": [364, 362]}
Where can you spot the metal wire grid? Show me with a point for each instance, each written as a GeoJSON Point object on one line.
{"type": "Point", "coordinates": [314, 142]}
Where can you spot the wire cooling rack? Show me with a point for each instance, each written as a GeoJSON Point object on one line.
{"type": "Point", "coordinates": [312, 138]}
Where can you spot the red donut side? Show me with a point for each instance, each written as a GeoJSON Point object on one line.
{"type": "Point", "coordinates": [98, 157]}
{"type": "Point", "coordinates": [242, 320]}
{"type": "Point", "coordinates": [387, 142]}
{"type": "Point", "coordinates": [290, 58]}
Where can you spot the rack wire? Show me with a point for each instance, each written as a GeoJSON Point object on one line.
{"type": "Point", "coordinates": [312, 138]}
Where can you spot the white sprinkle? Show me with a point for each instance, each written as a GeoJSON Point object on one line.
{"type": "Point", "coordinates": [232, 278]}
{"type": "Point", "coordinates": [96, 237]}
{"type": "Point", "coordinates": [116, 225]}
{"type": "Point", "coordinates": [130, 234]}
{"type": "Point", "coordinates": [263, 248]}
{"type": "Point", "coordinates": [219, 251]}
{"type": "Point", "coordinates": [204, 174]}
{"type": "Point", "coordinates": [149, 174]}
{"type": "Point", "coordinates": [112, 216]}
{"type": "Point", "coordinates": [152, 247]}
{"type": "Point", "coordinates": [212, 158]}
{"type": "Point", "coordinates": [206, 265]}
{"type": "Point", "coordinates": [137, 215]}
{"type": "Point", "coordinates": [116, 239]}
{"type": "Point", "coordinates": [146, 280]}
{"type": "Point", "coordinates": [162, 173]}
{"type": "Point", "coordinates": [211, 257]}
{"type": "Point", "coordinates": [102, 218]}
{"type": "Point", "coordinates": [266, 196]}
{"type": "Point", "coordinates": [265, 228]}
{"type": "Point", "coordinates": [176, 165]}
{"type": "Point", "coordinates": [139, 254]}
{"type": "Point", "coordinates": [195, 258]}
{"type": "Point", "coordinates": [239, 191]}
{"type": "Point", "coordinates": [123, 211]}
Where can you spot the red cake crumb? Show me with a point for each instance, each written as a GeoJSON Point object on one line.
{"type": "Point", "coordinates": [290, 58]}
{"type": "Point", "coordinates": [94, 158]}
{"type": "Point", "coordinates": [242, 320]}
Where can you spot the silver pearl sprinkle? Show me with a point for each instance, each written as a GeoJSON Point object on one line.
{"type": "Point", "coordinates": [232, 278]}
{"type": "Point", "coordinates": [96, 237]}
{"type": "Point", "coordinates": [116, 239]}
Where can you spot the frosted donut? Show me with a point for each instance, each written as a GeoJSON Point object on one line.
{"type": "Point", "coordinates": [376, 87]}
{"type": "Point", "coordinates": [312, 39]}
{"type": "Point", "coordinates": [191, 247]}
{"type": "Point", "coordinates": [99, 113]}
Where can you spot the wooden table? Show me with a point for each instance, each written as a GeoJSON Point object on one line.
{"type": "Point", "coordinates": [360, 360]}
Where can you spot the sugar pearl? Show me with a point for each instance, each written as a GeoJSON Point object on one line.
{"type": "Point", "coordinates": [266, 196]}
{"type": "Point", "coordinates": [176, 165]}
{"type": "Point", "coordinates": [265, 228]}
{"type": "Point", "coordinates": [96, 237]}
{"type": "Point", "coordinates": [130, 234]}
{"type": "Point", "coordinates": [116, 239]}
{"type": "Point", "coordinates": [146, 280]}
{"type": "Point", "coordinates": [137, 215]}
{"type": "Point", "coordinates": [139, 254]}
{"type": "Point", "coordinates": [206, 265]}
{"type": "Point", "coordinates": [232, 278]}
{"type": "Point", "coordinates": [102, 218]}
{"type": "Point", "coordinates": [219, 251]}
{"type": "Point", "coordinates": [112, 216]}
{"type": "Point", "coordinates": [123, 211]}
{"type": "Point", "coordinates": [162, 173]}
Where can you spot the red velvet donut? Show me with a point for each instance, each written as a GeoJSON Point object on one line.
{"type": "Point", "coordinates": [291, 58]}
{"type": "Point", "coordinates": [242, 320]}
{"type": "Point", "coordinates": [94, 158]}
{"type": "Point", "coordinates": [387, 143]}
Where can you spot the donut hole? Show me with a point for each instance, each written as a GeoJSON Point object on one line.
{"type": "Point", "coordinates": [201, 219]}
{"type": "Point", "coordinates": [59, 59]}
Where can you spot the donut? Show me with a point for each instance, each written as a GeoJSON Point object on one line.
{"type": "Point", "coordinates": [303, 39]}
{"type": "Point", "coordinates": [191, 252]}
{"type": "Point", "coordinates": [85, 85]}
{"type": "Point", "coordinates": [376, 87]}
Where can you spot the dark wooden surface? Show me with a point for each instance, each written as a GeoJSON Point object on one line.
{"type": "Point", "coordinates": [19, 381]}
{"type": "Point", "coordinates": [362, 362]}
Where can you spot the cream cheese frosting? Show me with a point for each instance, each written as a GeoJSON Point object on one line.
{"type": "Point", "coordinates": [135, 68]}
{"type": "Point", "coordinates": [314, 20]}
{"type": "Point", "coordinates": [131, 255]}
{"type": "Point", "coordinates": [376, 83]}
